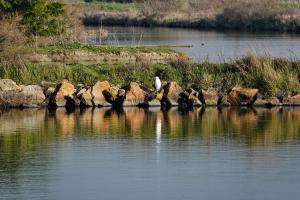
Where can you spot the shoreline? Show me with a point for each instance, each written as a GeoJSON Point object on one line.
{"type": "Point", "coordinates": [233, 17]}
{"type": "Point", "coordinates": [273, 81]}
{"type": "Point", "coordinates": [104, 94]}
{"type": "Point", "coordinates": [77, 53]}
{"type": "Point", "coordinates": [200, 24]}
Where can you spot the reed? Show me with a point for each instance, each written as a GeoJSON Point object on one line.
{"type": "Point", "coordinates": [269, 75]}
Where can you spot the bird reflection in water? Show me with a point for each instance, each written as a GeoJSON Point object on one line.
{"type": "Point", "coordinates": [158, 130]}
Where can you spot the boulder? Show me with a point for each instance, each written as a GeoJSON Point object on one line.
{"type": "Point", "coordinates": [292, 101]}
{"type": "Point", "coordinates": [281, 95]}
{"type": "Point", "coordinates": [210, 97]}
{"type": "Point", "coordinates": [9, 85]}
{"type": "Point", "coordinates": [111, 94]}
{"type": "Point", "coordinates": [239, 96]}
{"type": "Point", "coordinates": [64, 95]}
{"type": "Point", "coordinates": [135, 95]}
{"type": "Point", "coordinates": [22, 96]}
{"type": "Point", "coordinates": [97, 93]}
{"type": "Point", "coordinates": [114, 96]}
{"type": "Point", "coordinates": [49, 91]}
{"type": "Point", "coordinates": [10, 98]}
{"type": "Point", "coordinates": [33, 96]}
{"type": "Point", "coordinates": [153, 99]}
{"type": "Point", "coordinates": [47, 84]}
{"type": "Point", "coordinates": [171, 94]}
{"type": "Point", "coordinates": [267, 102]}
{"type": "Point", "coordinates": [193, 100]}
{"type": "Point", "coordinates": [189, 99]}
{"type": "Point", "coordinates": [85, 97]}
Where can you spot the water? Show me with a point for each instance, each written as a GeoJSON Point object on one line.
{"type": "Point", "coordinates": [150, 154]}
{"type": "Point", "coordinates": [208, 45]}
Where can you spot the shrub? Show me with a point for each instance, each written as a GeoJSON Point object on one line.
{"type": "Point", "coordinates": [41, 17]}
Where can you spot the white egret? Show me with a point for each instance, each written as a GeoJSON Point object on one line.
{"type": "Point", "coordinates": [157, 83]}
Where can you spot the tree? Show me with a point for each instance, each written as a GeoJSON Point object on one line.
{"type": "Point", "coordinates": [41, 17]}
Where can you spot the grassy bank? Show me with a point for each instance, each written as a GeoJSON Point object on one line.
{"type": "Point", "coordinates": [65, 48]}
{"type": "Point", "coordinates": [255, 15]}
{"type": "Point", "coordinates": [77, 53]}
{"type": "Point", "coordinates": [269, 75]}
{"type": "Point", "coordinates": [106, 6]}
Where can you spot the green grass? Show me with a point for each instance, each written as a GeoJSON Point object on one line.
{"type": "Point", "coordinates": [31, 73]}
{"type": "Point", "coordinates": [63, 48]}
{"type": "Point", "coordinates": [267, 74]}
{"type": "Point", "coordinates": [106, 6]}
{"type": "Point", "coordinates": [287, 5]}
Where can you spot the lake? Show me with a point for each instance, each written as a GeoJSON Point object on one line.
{"type": "Point", "coordinates": [213, 46]}
{"type": "Point", "coordinates": [230, 153]}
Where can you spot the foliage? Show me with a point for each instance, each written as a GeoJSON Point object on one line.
{"type": "Point", "coordinates": [63, 48]}
{"type": "Point", "coordinates": [267, 74]}
{"type": "Point", "coordinates": [41, 17]}
{"type": "Point", "coordinates": [108, 6]}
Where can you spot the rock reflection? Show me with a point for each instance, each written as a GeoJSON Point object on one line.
{"type": "Point", "coordinates": [245, 125]}
{"type": "Point", "coordinates": [22, 131]}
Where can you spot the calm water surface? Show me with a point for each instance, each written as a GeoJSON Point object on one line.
{"type": "Point", "coordinates": [150, 154]}
{"type": "Point", "coordinates": [208, 45]}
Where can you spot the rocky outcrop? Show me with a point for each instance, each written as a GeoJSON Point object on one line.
{"type": "Point", "coordinates": [267, 102]}
{"type": "Point", "coordinates": [171, 95]}
{"type": "Point", "coordinates": [189, 99]}
{"type": "Point", "coordinates": [12, 95]}
{"type": "Point", "coordinates": [49, 91]}
{"type": "Point", "coordinates": [210, 97]}
{"type": "Point", "coordinates": [64, 95]}
{"type": "Point", "coordinates": [8, 85]}
{"type": "Point", "coordinates": [135, 95]}
{"type": "Point", "coordinates": [239, 96]}
{"type": "Point", "coordinates": [85, 97]}
{"type": "Point", "coordinates": [153, 98]}
{"type": "Point", "coordinates": [115, 96]}
{"type": "Point", "coordinates": [193, 100]}
{"type": "Point", "coordinates": [32, 96]}
{"type": "Point", "coordinates": [103, 94]}
{"type": "Point", "coordinates": [292, 101]}
{"type": "Point", "coordinates": [99, 99]}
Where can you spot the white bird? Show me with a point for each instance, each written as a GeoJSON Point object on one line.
{"type": "Point", "coordinates": [157, 83]}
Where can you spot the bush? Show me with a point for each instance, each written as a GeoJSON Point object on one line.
{"type": "Point", "coordinates": [41, 17]}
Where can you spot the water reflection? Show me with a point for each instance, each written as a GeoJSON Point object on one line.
{"type": "Point", "coordinates": [246, 125]}
{"type": "Point", "coordinates": [40, 149]}
{"type": "Point", "coordinates": [158, 130]}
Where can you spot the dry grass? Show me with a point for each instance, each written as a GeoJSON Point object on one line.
{"type": "Point", "coordinates": [270, 75]}
{"type": "Point", "coordinates": [234, 14]}
{"type": "Point", "coordinates": [12, 37]}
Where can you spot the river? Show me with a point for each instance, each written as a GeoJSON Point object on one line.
{"type": "Point", "coordinates": [133, 153]}
{"type": "Point", "coordinates": [210, 46]}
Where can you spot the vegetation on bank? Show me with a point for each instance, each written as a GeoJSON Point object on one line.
{"type": "Point", "coordinates": [255, 15]}
{"type": "Point", "coordinates": [40, 17]}
{"type": "Point", "coordinates": [64, 48]}
{"type": "Point", "coordinates": [269, 75]}
{"type": "Point", "coordinates": [107, 6]}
